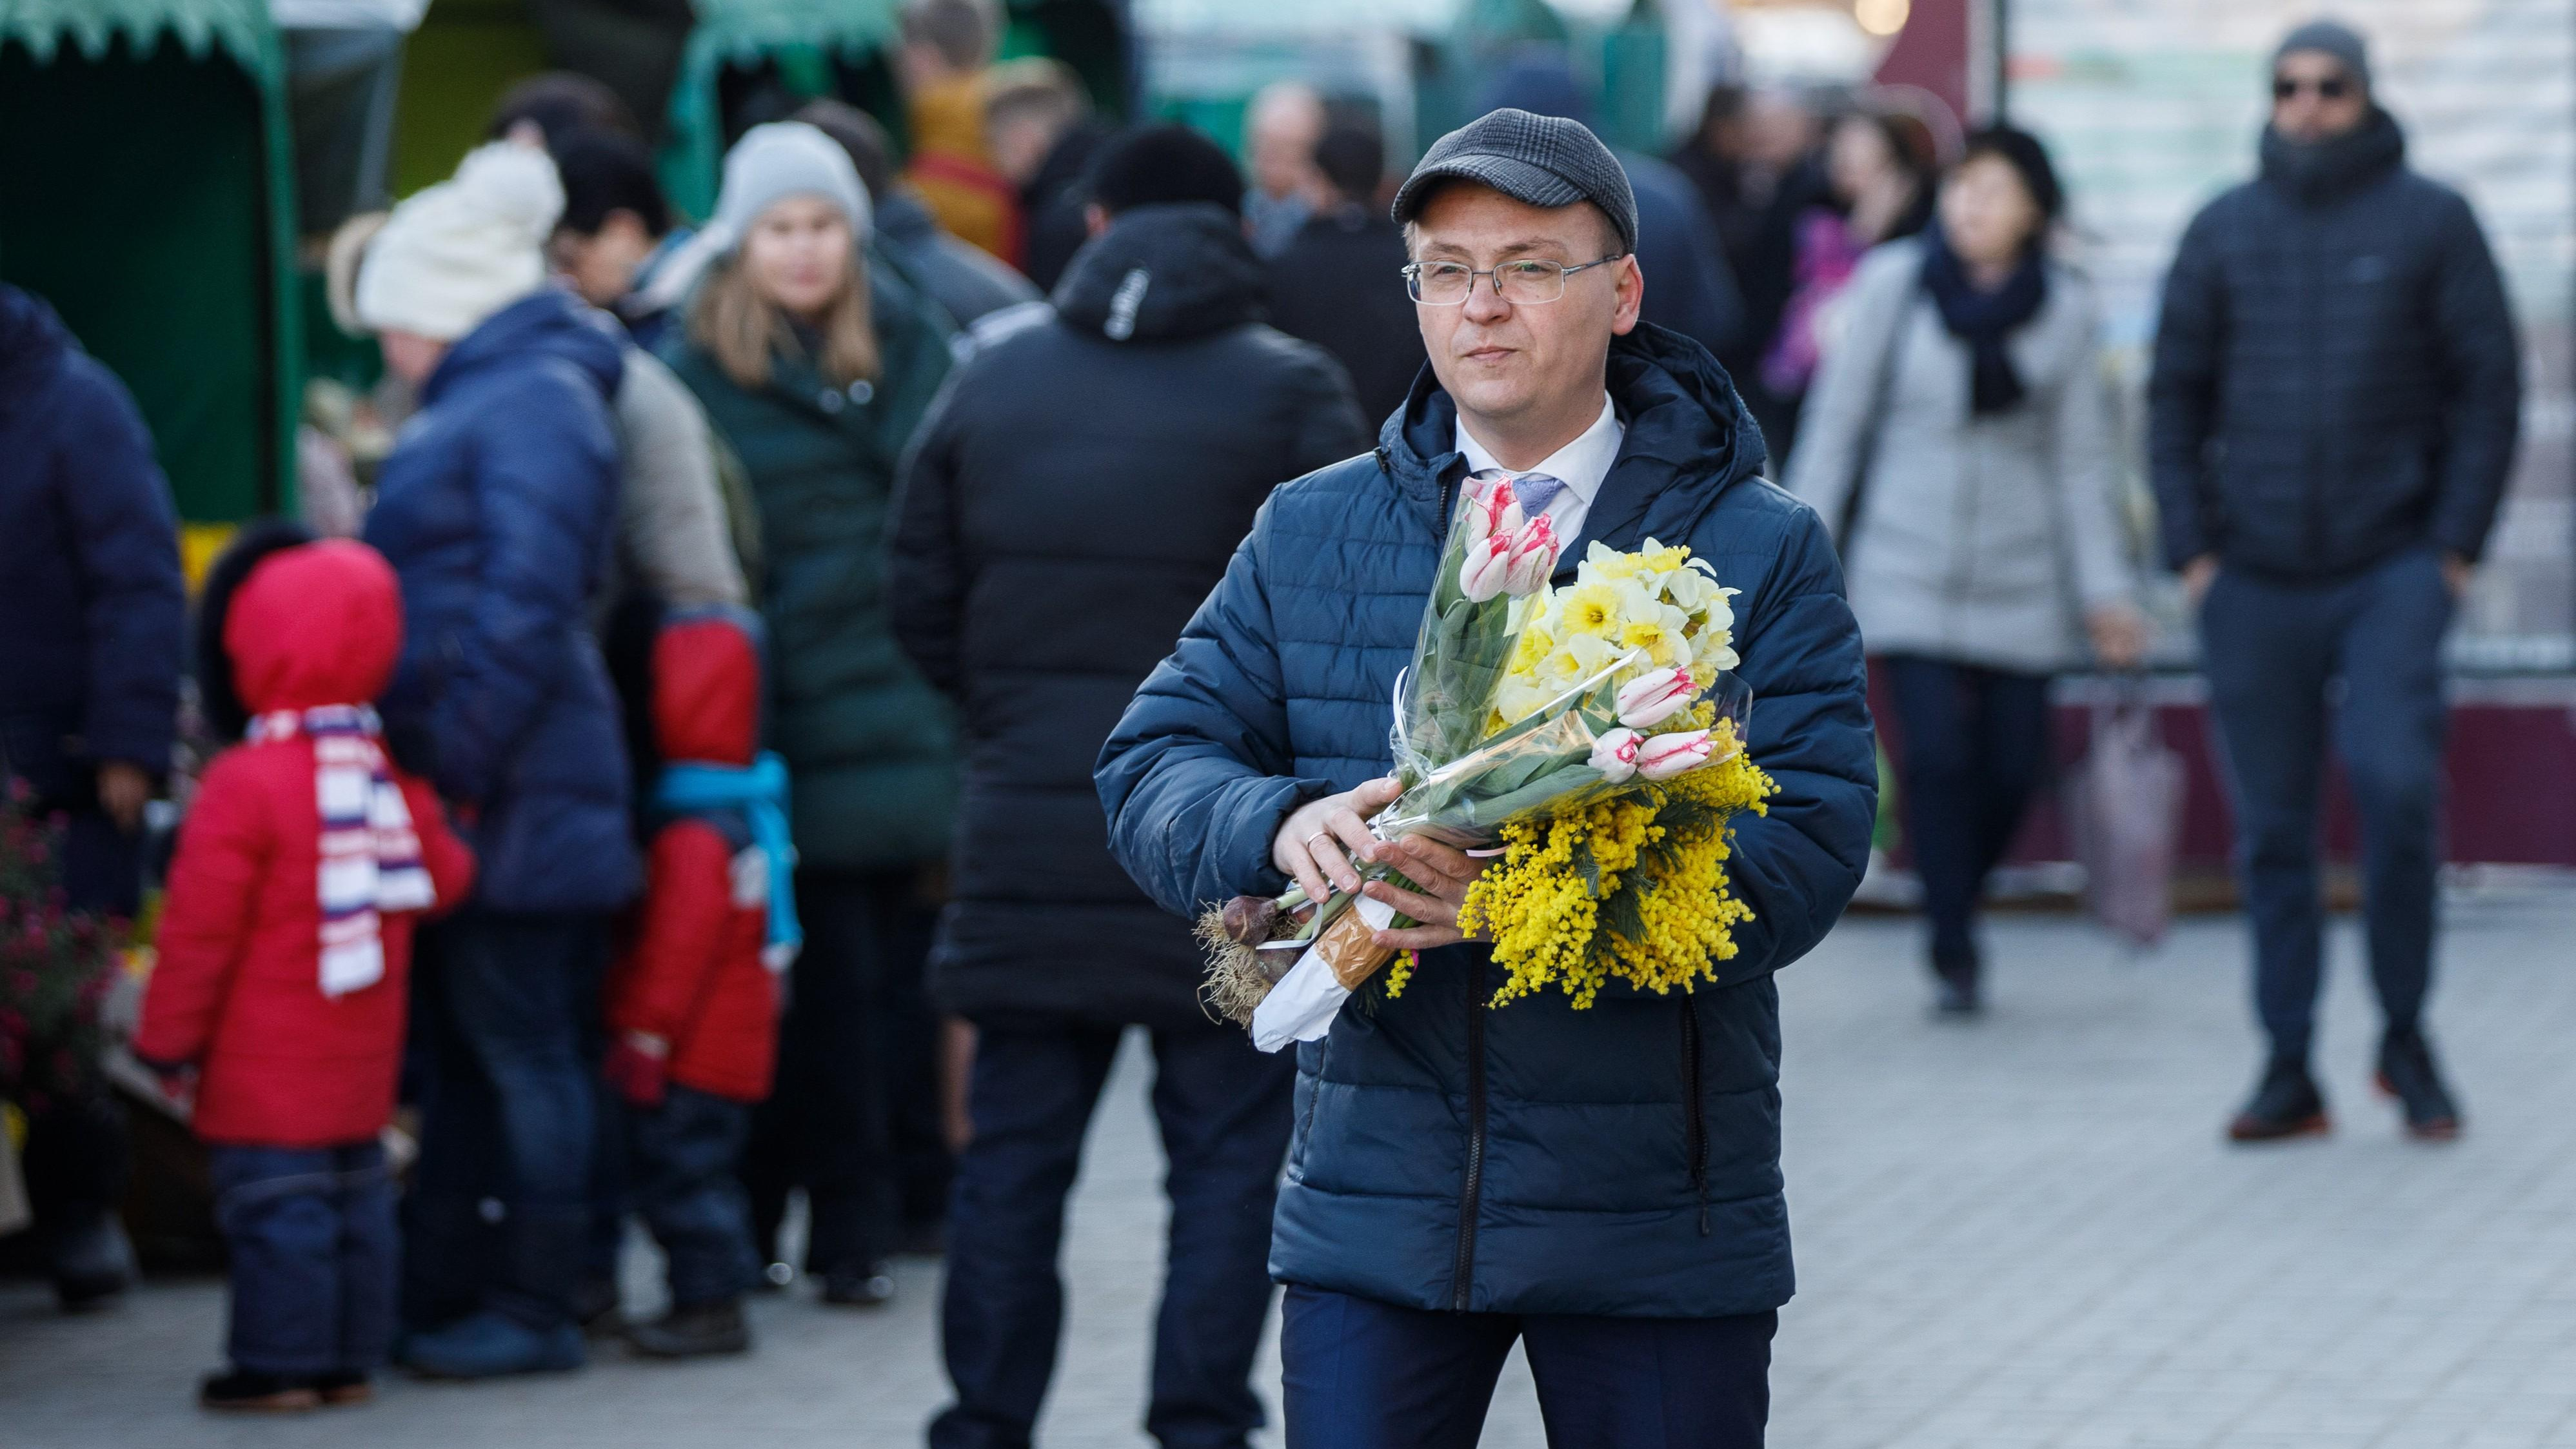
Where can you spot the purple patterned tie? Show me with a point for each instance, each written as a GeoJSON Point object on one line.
{"type": "Point", "coordinates": [1534, 490]}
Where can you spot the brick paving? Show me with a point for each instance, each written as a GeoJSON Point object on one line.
{"type": "Point", "coordinates": [2019, 1232]}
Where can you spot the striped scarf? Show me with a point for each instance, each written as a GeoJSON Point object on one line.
{"type": "Point", "coordinates": [370, 859]}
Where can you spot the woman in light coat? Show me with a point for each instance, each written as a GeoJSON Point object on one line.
{"type": "Point", "coordinates": [1958, 443]}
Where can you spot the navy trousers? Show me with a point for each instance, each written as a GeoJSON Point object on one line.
{"type": "Point", "coordinates": [854, 1118]}
{"type": "Point", "coordinates": [2358, 664]}
{"type": "Point", "coordinates": [311, 1232]}
{"type": "Point", "coordinates": [1223, 1109]}
{"type": "Point", "coordinates": [500, 1207]}
{"type": "Point", "coordinates": [680, 1171]}
{"type": "Point", "coordinates": [1360, 1374]}
{"type": "Point", "coordinates": [1976, 747]}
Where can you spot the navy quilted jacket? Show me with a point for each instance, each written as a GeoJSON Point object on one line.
{"type": "Point", "coordinates": [2336, 373]}
{"type": "Point", "coordinates": [92, 610]}
{"type": "Point", "coordinates": [1619, 1160]}
{"type": "Point", "coordinates": [496, 509]}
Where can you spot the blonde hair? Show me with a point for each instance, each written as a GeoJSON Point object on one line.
{"type": "Point", "coordinates": [744, 330]}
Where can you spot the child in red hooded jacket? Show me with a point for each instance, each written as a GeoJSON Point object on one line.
{"type": "Point", "coordinates": [693, 998]}
{"type": "Point", "coordinates": [284, 945]}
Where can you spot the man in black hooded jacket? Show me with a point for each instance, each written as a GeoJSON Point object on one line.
{"type": "Point", "coordinates": [1074, 493]}
{"type": "Point", "coordinates": [2333, 415]}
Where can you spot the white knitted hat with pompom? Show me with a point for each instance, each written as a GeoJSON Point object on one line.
{"type": "Point", "coordinates": [464, 249]}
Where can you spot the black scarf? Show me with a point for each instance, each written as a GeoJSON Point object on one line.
{"type": "Point", "coordinates": [2316, 172]}
{"type": "Point", "coordinates": [1984, 320]}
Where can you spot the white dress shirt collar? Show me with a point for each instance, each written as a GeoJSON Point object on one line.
{"type": "Point", "coordinates": [1581, 464]}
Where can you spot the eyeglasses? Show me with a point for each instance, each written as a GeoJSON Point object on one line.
{"type": "Point", "coordinates": [2332, 88]}
{"type": "Point", "coordinates": [1449, 284]}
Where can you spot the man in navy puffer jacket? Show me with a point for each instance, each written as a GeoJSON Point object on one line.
{"type": "Point", "coordinates": [2332, 421]}
{"type": "Point", "coordinates": [1604, 1183]}
{"type": "Point", "coordinates": [497, 510]}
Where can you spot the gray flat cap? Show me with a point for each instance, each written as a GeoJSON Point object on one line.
{"type": "Point", "coordinates": [1540, 160]}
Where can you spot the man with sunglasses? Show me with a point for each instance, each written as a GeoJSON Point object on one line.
{"type": "Point", "coordinates": [2334, 405]}
{"type": "Point", "coordinates": [1602, 1186]}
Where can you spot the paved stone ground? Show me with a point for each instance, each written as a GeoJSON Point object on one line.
{"type": "Point", "coordinates": [2019, 1232]}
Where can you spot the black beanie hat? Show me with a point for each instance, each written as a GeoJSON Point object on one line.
{"type": "Point", "coordinates": [217, 697]}
{"type": "Point", "coordinates": [1161, 165]}
{"type": "Point", "coordinates": [2022, 151]}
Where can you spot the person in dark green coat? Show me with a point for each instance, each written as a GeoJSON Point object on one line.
{"type": "Point", "coordinates": [816, 371]}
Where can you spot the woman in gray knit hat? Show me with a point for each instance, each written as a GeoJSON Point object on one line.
{"type": "Point", "coordinates": [815, 368]}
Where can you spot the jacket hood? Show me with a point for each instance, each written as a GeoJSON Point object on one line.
{"type": "Point", "coordinates": [706, 688]}
{"type": "Point", "coordinates": [547, 322]}
{"type": "Point", "coordinates": [316, 624]}
{"type": "Point", "coordinates": [2320, 171]}
{"type": "Point", "coordinates": [1163, 272]}
{"type": "Point", "coordinates": [32, 343]}
{"type": "Point", "coordinates": [1690, 438]}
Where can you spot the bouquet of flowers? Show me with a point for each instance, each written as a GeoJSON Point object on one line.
{"type": "Point", "coordinates": [1590, 736]}
{"type": "Point", "coordinates": [56, 966]}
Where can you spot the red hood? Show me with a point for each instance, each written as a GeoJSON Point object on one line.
{"type": "Point", "coordinates": [706, 692]}
{"type": "Point", "coordinates": [317, 624]}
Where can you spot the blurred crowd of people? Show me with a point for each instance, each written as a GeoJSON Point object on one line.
{"type": "Point", "coordinates": [679, 793]}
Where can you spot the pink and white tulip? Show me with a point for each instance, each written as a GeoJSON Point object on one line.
{"type": "Point", "coordinates": [1487, 568]}
{"type": "Point", "coordinates": [1493, 508]}
{"type": "Point", "coordinates": [1614, 754]}
{"type": "Point", "coordinates": [1533, 558]}
{"type": "Point", "coordinates": [1651, 699]}
{"type": "Point", "coordinates": [1661, 757]}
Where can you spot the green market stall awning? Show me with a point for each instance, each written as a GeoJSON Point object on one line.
{"type": "Point", "coordinates": [148, 189]}
{"type": "Point", "coordinates": [801, 38]}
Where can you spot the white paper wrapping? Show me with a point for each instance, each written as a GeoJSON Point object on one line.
{"type": "Point", "coordinates": [1302, 1006]}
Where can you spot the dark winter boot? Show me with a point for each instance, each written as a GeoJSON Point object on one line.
{"type": "Point", "coordinates": [866, 1285]}
{"type": "Point", "coordinates": [2407, 1073]}
{"type": "Point", "coordinates": [1957, 979]}
{"type": "Point", "coordinates": [596, 1308]}
{"type": "Point", "coordinates": [244, 1392]}
{"type": "Point", "coordinates": [2285, 1104]}
{"type": "Point", "coordinates": [91, 1260]}
{"type": "Point", "coordinates": [697, 1331]}
{"type": "Point", "coordinates": [343, 1388]}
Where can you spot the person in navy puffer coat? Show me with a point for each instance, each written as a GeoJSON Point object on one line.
{"type": "Point", "coordinates": [2330, 427]}
{"type": "Point", "coordinates": [92, 615]}
{"type": "Point", "coordinates": [1603, 1184]}
{"type": "Point", "coordinates": [497, 510]}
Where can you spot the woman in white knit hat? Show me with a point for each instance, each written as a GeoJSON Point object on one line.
{"type": "Point", "coordinates": [816, 370]}
{"type": "Point", "coordinates": [496, 510]}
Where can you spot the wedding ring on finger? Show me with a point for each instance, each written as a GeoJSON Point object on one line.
{"type": "Point", "coordinates": [1318, 835]}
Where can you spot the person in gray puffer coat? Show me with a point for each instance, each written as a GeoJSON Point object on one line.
{"type": "Point", "coordinates": [2334, 407]}
{"type": "Point", "coordinates": [1958, 443]}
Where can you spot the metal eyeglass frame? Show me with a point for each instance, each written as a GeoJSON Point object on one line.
{"type": "Point", "coordinates": [1412, 272]}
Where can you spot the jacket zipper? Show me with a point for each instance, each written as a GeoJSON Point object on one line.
{"type": "Point", "coordinates": [1691, 1109]}
{"type": "Point", "coordinates": [1467, 1198]}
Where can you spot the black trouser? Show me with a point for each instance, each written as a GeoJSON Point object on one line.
{"type": "Point", "coordinates": [1359, 1374]}
{"type": "Point", "coordinates": [509, 1113]}
{"type": "Point", "coordinates": [680, 1161]}
{"type": "Point", "coordinates": [76, 1163]}
{"type": "Point", "coordinates": [1224, 1113]}
{"type": "Point", "coordinates": [854, 1118]}
{"type": "Point", "coordinates": [2274, 653]}
{"type": "Point", "coordinates": [77, 1158]}
{"type": "Point", "coordinates": [1975, 748]}
{"type": "Point", "coordinates": [311, 1232]}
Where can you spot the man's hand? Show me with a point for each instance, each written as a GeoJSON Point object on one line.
{"type": "Point", "coordinates": [2120, 634]}
{"type": "Point", "coordinates": [1318, 842]}
{"type": "Point", "coordinates": [2197, 576]}
{"type": "Point", "coordinates": [2457, 572]}
{"type": "Point", "coordinates": [122, 790]}
{"type": "Point", "coordinates": [1444, 873]}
